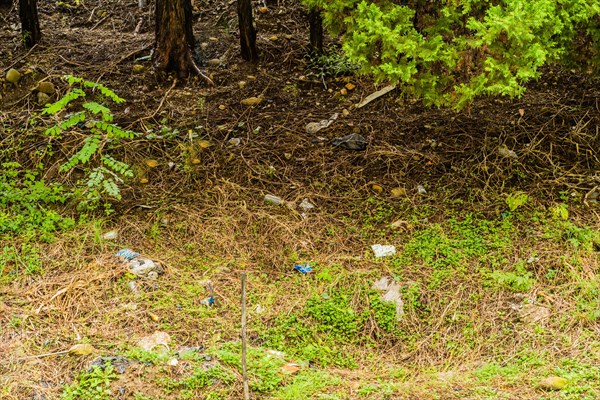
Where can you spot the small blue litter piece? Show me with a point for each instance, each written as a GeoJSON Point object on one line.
{"type": "Point", "coordinates": [127, 254]}
{"type": "Point", "coordinates": [209, 301]}
{"type": "Point", "coordinates": [304, 269]}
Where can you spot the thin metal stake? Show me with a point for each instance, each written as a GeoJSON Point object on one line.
{"type": "Point", "coordinates": [244, 371]}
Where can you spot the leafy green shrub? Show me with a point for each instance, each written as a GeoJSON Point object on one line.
{"type": "Point", "coordinates": [448, 52]}
{"type": "Point", "coordinates": [102, 136]}
{"type": "Point", "coordinates": [26, 202]}
{"type": "Point", "coordinates": [92, 385]}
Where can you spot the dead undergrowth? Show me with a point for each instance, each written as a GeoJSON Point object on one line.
{"type": "Point", "coordinates": [496, 297]}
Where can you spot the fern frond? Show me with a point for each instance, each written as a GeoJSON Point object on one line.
{"type": "Point", "coordinates": [106, 92]}
{"type": "Point", "coordinates": [63, 102]}
{"type": "Point", "coordinates": [96, 108]}
{"type": "Point", "coordinates": [89, 148]}
{"type": "Point", "coordinates": [117, 166]}
{"type": "Point", "coordinates": [113, 131]}
{"type": "Point", "coordinates": [110, 188]}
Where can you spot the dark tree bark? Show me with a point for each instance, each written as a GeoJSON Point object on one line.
{"type": "Point", "coordinates": [247, 32]}
{"type": "Point", "coordinates": [316, 31]}
{"type": "Point", "coordinates": [30, 24]}
{"type": "Point", "coordinates": [5, 3]}
{"type": "Point", "coordinates": [174, 37]}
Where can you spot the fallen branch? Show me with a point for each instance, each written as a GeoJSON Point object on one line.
{"type": "Point", "coordinates": [375, 95]}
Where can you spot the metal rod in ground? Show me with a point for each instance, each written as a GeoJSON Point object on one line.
{"type": "Point", "coordinates": [244, 370]}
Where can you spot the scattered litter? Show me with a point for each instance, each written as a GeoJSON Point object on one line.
{"type": "Point", "coordinates": [209, 301]}
{"type": "Point", "coordinates": [269, 198]}
{"type": "Point", "coordinates": [532, 260]}
{"type": "Point", "coordinates": [119, 363]}
{"type": "Point", "coordinates": [140, 266]}
{"type": "Point", "coordinates": [154, 317]}
{"type": "Point", "coordinates": [353, 141]}
{"type": "Point", "coordinates": [82, 349]}
{"type": "Point", "coordinates": [391, 294]}
{"type": "Point", "coordinates": [553, 383]}
{"type": "Point", "coordinates": [259, 309]}
{"type": "Point", "coordinates": [133, 286]}
{"type": "Point", "coordinates": [375, 95]}
{"type": "Point", "coordinates": [290, 368]}
{"type": "Point", "coordinates": [157, 339]}
{"type": "Point", "coordinates": [276, 353]}
{"type": "Point", "coordinates": [304, 269]}
{"type": "Point", "coordinates": [397, 192]}
{"type": "Point", "coordinates": [314, 127]}
{"type": "Point", "coordinates": [173, 362]}
{"type": "Point", "coordinates": [306, 205]}
{"type": "Point", "coordinates": [127, 254]}
{"type": "Point", "coordinates": [506, 152]}
{"type": "Point", "coordinates": [383, 250]}
{"type": "Point", "coordinates": [421, 189]}
{"type": "Point", "coordinates": [110, 235]}
{"type": "Point", "coordinates": [234, 141]}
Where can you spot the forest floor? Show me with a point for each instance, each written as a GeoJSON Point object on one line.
{"type": "Point", "coordinates": [493, 211]}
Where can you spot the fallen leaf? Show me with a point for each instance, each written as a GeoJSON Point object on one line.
{"type": "Point", "coordinates": [252, 101]}
{"type": "Point", "coordinates": [350, 86]}
{"type": "Point", "coordinates": [152, 163]}
{"type": "Point", "coordinates": [397, 192]}
{"type": "Point", "coordinates": [553, 383]}
{"type": "Point", "coordinates": [82, 349]}
{"type": "Point", "coordinates": [290, 368]}
{"type": "Point", "coordinates": [204, 144]}
{"type": "Point", "coordinates": [377, 188]}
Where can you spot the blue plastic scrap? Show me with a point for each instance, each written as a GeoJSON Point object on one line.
{"type": "Point", "coordinates": [304, 269]}
{"type": "Point", "coordinates": [127, 254]}
{"type": "Point", "coordinates": [209, 301]}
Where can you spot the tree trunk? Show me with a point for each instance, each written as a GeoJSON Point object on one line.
{"type": "Point", "coordinates": [247, 32]}
{"type": "Point", "coordinates": [30, 24]}
{"type": "Point", "coordinates": [174, 37]}
{"type": "Point", "coordinates": [316, 31]}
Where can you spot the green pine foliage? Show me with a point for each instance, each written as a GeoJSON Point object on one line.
{"type": "Point", "coordinates": [449, 51]}
{"type": "Point", "coordinates": [104, 173]}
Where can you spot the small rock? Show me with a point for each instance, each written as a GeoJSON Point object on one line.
{"type": "Point", "coordinates": [215, 62]}
{"type": "Point", "coordinates": [306, 205]}
{"type": "Point", "coordinates": [46, 87]}
{"type": "Point", "coordinates": [397, 192]}
{"type": "Point", "coordinates": [534, 314]}
{"type": "Point", "coordinates": [234, 141]}
{"type": "Point", "coordinates": [345, 112]}
{"type": "Point", "coordinates": [137, 68]}
{"type": "Point", "coordinates": [13, 76]}
{"type": "Point", "coordinates": [252, 101]}
{"type": "Point", "coordinates": [242, 84]}
{"type": "Point", "coordinates": [204, 45]}
{"type": "Point", "coordinates": [43, 99]}
{"type": "Point", "coordinates": [344, 91]}
{"type": "Point", "coordinates": [553, 383]}
{"type": "Point", "coordinates": [353, 141]}
{"type": "Point", "coordinates": [263, 10]}
{"type": "Point", "coordinates": [377, 188]}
